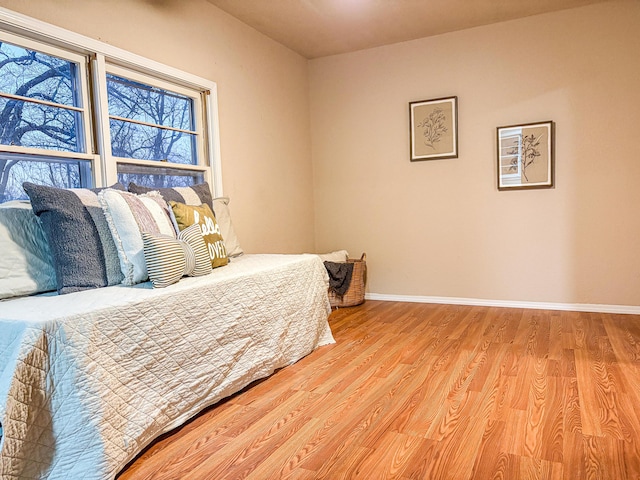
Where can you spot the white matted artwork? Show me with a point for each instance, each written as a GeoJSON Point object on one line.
{"type": "Point", "coordinates": [526, 156]}
{"type": "Point", "coordinates": [434, 129]}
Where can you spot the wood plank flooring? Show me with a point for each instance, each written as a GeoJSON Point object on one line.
{"type": "Point", "coordinates": [419, 391]}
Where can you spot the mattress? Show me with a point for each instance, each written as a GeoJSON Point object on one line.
{"type": "Point", "coordinates": [88, 379]}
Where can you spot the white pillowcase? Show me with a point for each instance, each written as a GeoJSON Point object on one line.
{"type": "Point", "coordinates": [337, 257]}
{"type": "Point", "coordinates": [26, 265]}
{"type": "Point", "coordinates": [128, 215]}
{"type": "Point", "coordinates": [223, 219]}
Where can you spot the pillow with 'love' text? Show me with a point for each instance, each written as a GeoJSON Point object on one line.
{"type": "Point", "coordinates": [187, 215]}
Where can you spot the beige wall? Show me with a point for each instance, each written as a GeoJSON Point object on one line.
{"type": "Point", "coordinates": [436, 228]}
{"type": "Point", "coordinates": [263, 102]}
{"type": "Point", "coordinates": [441, 228]}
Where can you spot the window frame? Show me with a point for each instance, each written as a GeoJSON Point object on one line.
{"type": "Point", "coordinates": [103, 58]}
{"type": "Point", "coordinates": [197, 96]}
{"type": "Point", "coordinates": [84, 108]}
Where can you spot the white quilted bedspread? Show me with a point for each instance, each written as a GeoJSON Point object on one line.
{"type": "Point", "coordinates": [88, 379]}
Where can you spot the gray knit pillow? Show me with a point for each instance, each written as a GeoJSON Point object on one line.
{"type": "Point", "coordinates": [83, 251]}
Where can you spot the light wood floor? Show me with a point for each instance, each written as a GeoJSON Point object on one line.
{"type": "Point", "coordinates": [415, 391]}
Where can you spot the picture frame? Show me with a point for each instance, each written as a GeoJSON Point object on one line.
{"type": "Point", "coordinates": [526, 156]}
{"type": "Point", "coordinates": [433, 126]}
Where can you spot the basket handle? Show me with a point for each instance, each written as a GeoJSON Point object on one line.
{"type": "Point", "coordinates": [363, 259]}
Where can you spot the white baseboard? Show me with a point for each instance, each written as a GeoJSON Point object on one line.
{"type": "Point", "coordinates": [573, 307]}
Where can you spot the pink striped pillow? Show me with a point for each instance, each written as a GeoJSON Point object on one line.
{"type": "Point", "coordinates": [128, 215]}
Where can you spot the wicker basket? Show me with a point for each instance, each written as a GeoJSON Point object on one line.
{"type": "Point", "coordinates": [355, 294]}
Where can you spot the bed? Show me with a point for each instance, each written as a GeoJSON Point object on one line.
{"type": "Point", "coordinates": [88, 379]}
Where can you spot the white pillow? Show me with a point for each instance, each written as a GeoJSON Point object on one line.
{"type": "Point", "coordinates": [26, 265]}
{"type": "Point", "coordinates": [128, 215]}
{"type": "Point", "coordinates": [338, 256]}
{"type": "Point", "coordinates": [223, 218]}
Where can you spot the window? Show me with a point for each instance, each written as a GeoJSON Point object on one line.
{"type": "Point", "coordinates": [144, 122]}
{"type": "Point", "coordinates": [152, 121]}
{"type": "Point", "coordinates": [16, 168]}
{"type": "Point", "coordinates": [43, 117]}
{"type": "Point", "coordinates": [149, 123]}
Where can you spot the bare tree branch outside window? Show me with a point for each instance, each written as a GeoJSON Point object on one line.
{"type": "Point", "coordinates": [133, 102]}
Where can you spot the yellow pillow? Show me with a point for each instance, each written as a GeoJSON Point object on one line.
{"type": "Point", "coordinates": [187, 215]}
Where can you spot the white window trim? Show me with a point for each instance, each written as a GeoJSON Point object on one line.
{"type": "Point", "coordinates": [53, 35]}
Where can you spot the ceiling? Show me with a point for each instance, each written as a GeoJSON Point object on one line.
{"type": "Point", "coordinates": [317, 28]}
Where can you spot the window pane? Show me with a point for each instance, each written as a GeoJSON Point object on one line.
{"type": "Point", "coordinates": [62, 173]}
{"type": "Point", "coordinates": [132, 140]}
{"type": "Point", "coordinates": [45, 78]}
{"type": "Point", "coordinates": [28, 124]}
{"type": "Point", "coordinates": [157, 177]}
{"type": "Point", "coordinates": [145, 106]}
{"type": "Point", "coordinates": [35, 75]}
{"type": "Point", "coordinates": [145, 103]}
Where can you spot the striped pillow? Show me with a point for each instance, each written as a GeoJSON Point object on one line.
{"type": "Point", "coordinates": [169, 259]}
{"type": "Point", "coordinates": [193, 195]}
{"type": "Point", "coordinates": [193, 237]}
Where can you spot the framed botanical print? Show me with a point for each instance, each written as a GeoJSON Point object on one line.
{"type": "Point", "coordinates": [434, 129]}
{"type": "Point", "coordinates": [526, 156]}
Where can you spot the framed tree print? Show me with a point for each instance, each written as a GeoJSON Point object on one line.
{"type": "Point", "coordinates": [526, 156]}
{"type": "Point", "coordinates": [434, 129]}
